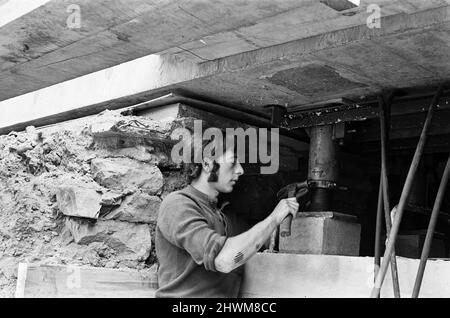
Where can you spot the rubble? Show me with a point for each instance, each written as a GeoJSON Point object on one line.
{"type": "Point", "coordinates": [83, 192]}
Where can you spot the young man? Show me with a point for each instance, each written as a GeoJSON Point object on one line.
{"type": "Point", "coordinates": [198, 255]}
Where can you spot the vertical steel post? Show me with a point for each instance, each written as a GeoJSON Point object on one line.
{"type": "Point", "coordinates": [379, 222]}
{"type": "Point", "coordinates": [430, 231]}
{"type": "Point", "coordinates": [405, 192]}
{"type": "Point", "coordinates": [385, 187]}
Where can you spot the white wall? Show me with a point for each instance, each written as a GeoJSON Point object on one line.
{"type": "Point", "coordinates": [331, 276]}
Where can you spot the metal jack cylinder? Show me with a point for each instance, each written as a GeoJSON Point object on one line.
{"type": "Point", "coordinates": [323, 167]}
{"type": "Point", "coordinates": [322, 230]}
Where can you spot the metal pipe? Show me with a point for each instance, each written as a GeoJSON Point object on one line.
{"type": "Point", "coordinates": [173, 98]}
{"type": "Point", "coordinates": [385, 187]}
{"type": "Point", "coordinates": [379, 222]}
{"type": "Point", "coordinates": [293, 109]}
{"type": "Point", "coordinates": [405, 192]}
{"type": "Point", "coordinates": [250, 117]}
{"type": "Point", "coordinates": [418, 194]}
{"type": "Point", "coordinates": [430, 231]}
{"type": "Point", "coordinates": [322, 165]}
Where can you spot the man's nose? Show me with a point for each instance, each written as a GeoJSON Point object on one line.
{"type": "Point", "coordinates": [238, 168]}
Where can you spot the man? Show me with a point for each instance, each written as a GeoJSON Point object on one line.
{"type": "Point", "coordinates": [198, 255]}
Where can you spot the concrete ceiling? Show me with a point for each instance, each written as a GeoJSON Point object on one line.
{"type": "Point", "coordinates": [251, 53]}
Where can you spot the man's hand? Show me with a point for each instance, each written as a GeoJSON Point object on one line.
{"type": "Point", "coordinates": [284, 208]}
{"type": "Point", "coordinates": [238, 249]}
{"type": "Point", "coordinates": [299, 190]}
{"type": "Point", "coordinates": [292, 190]}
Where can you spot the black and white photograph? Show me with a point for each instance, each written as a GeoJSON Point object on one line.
{"type": "Point", "coordinates": [224, 156]}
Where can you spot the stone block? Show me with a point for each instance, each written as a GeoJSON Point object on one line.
{"type": "Point", "coordinates": [322, 233]}
{"type": "Point", "coordinates": [123, 174]}
{"type": "Point", "coordinates": [139, 207]}
{"type": "Point", "coordinates": [129, 240]}
{"type": "Point", "coordinates": [79, 199]}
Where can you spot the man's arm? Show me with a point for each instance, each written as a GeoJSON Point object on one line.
{"type": "Point", "coordinates": [238, 249]}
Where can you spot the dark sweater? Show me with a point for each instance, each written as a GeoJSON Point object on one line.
{"type": "Point", "coordinates": [189, 229]}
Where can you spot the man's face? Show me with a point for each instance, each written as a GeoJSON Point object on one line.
{"type": "Point", "coordinates": [228, 173]}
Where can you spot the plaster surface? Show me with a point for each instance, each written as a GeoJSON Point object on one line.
{"type": "Point", "coordinates": [330, 276]}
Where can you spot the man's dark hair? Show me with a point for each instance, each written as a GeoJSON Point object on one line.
{"type": "Point", "coordinates": [193, 169]}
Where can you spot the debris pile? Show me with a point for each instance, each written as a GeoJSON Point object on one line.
{"type": "Point", "coordinates": [84, 192]}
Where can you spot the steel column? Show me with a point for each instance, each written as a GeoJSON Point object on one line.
{"type": "Point", "coordinates": [405, 192]}
{"type": "Point", "coordinates": [385, 187]}
{"type": "Point", "coordinates": [430, 231]}
{"type": "Point", "coordinates": [379, 222]}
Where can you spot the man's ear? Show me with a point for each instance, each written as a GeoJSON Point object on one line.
{"type": "Point", "coordinates": [207, 164]}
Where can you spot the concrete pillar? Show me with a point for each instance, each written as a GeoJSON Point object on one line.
{"type": "Point", "coordinates": [322, 233]}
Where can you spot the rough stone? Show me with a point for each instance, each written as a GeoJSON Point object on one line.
{"type": "Point", "coordinates": [111, 123]}
{"type": "Point", "coordinates": [79, 199]}
{"type": "Point", "coordinates": [139, 207]}
{"type": "Point", "coordinates": [8, 275]}
{"type": "Point", "coordinates": [130, 241]}
{"type": "Point", "coordinates": [111, 198]}
{"type": "Point", "coordinates": [123, 174]}
{"type": "Point", "coordinates": [8, 267]}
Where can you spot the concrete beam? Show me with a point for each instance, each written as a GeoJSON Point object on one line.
{"type": "Point", "coordinates": [116, 31]}
{"type": "Point", "coordinates": [248, 78]}
{"type": "Point", "coordinates": [111, 32]}
{"type": "Point", "coordinates": [79, 97]}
